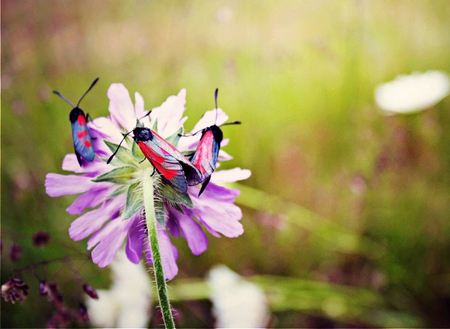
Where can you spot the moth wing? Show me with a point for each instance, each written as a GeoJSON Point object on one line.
{"type": "Point", "coordinates": [193, 175]}
{"type": "Point", "coordinates": [82, 141]}
{"type": "Point", "coordinates": [168, 166]}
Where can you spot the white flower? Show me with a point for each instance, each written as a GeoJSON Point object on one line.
{"type": "Point", "coordinates": [127, 304]}
{"type": "Point", "coordinates": [412, 93]}
{"type": "Point", "coordinates": [236, 302]}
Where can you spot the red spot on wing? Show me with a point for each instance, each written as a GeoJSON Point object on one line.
{"type": "Point", "coordinates": [82, 134]}
{"type": "Point", "coordinates": [87, 143]}
{"type": "Point", "coordinates": [81, 120]}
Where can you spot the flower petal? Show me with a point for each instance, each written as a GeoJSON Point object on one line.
{"type": "Point", "coordinates": [110, 239]}
{"type": "Point", "coordinates": [93, 220]}
{"type": "Point", "coordinates": [230, 175]}
{"type": "Point", "coordinates": [411, 93]}
{"type": "Point", "coordinates": [90, 199]}
{"type": "Point", "coordinates": [70, 163]}
{"type": "Point", "coordinates": [169, 114]}
{"type": "Point", "coordinates": [216, 209]}
{"type": "Point", "coordinates": [207, 120]}
{"type": "Point", "coordinates": [121, 107]}
{"type": "Point", "coordinates": [191, 230]}
{"type": "Point", "coordinates": [169, 253]}
{"type": "Point", "coordinates": [210, 118]}
{"type": "Point", "coordinates": [58, 185]}
{"type": "Point", "coordinates": [135, 241]}
{"type": "Point", "coordinates": [138, 105]}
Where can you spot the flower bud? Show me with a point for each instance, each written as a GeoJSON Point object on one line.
{"type": "Point", "coordinates": [15, 252]}
{"type": "Point", "coordinates": [91, 292]}
{"type": "Point", "coordinates": [41, 239]}
{"type": "Point", "coordinates": [43, 288]}
{"type": "Point", "coordinates": [14, 290]}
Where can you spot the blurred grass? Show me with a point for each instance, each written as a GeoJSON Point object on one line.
{"type": "Point", "coordinates": [300, 76]}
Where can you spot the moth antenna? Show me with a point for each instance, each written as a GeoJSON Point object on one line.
{"type": "Point", "coordinates": [216, 94]}
{"type": "Point", "coordinates": [63, 98]}
{"type": "Point", "coordinates": [190, 134]}
{"type": "Point", "coordinates": [118, 147]}
{"type": "Point", "coordinates": [92, 85]}
{"type": "Point", "coordinates": [232, 123]}
{"type": "Point", "coordinates": [145, 116]}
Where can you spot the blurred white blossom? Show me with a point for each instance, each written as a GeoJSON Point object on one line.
{"type": "Point", "coordinates": [224, 14]}
{"type": "Point", "coordinates": [412, 93]}
{"type": "Point", "coordinates": [236, 302]}
{"type": "Point", "coordinates": [127, 304]}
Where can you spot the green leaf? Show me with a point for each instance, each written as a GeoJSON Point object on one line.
{"type": "Point", "coordinates": [159, 213]}
{"type": "Point", "coordinates": [177, 207]}
{"type": "Point", "coordinates": [137, 153]}
{"type": "Point", "coordinates": [121, 175]}
{"type": "Point", "coordinates": [119, 191]}
{"type": "Point", "coordinates": [123, 154]}
{"type": "Point", "coordinates": [134, 201]}
{"type": "Point", "coordinates": [175, 138]}
{"type": "Point", "coordinates": [173, 196]}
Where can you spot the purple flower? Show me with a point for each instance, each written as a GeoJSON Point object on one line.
{"type": "Point", "coordinates": [14, 290]}
{"type": "Point", "coordinates": [113, 192]}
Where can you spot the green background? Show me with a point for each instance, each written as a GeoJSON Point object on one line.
{"type": "Point", "coordinates": [346, 214]}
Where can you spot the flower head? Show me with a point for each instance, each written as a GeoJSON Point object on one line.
{"type": "Point", "coordinates": [113, 192]}
{"type": "Point", "coordinates": [412, 93]}
{"type": "Point", "coordinates": [14, 290]}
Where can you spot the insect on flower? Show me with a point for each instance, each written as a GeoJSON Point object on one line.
{"type": "Point", "coordinates": [82, 141]}
{"type": "Point", "coordinates": [173, 166]}
{"type": "Point", "coordinates": [207, 152]}
{"type": "Point", "coordinates": [110, 202]}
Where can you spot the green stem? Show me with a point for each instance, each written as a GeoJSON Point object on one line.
{"type": "Point", "coordinates": [150, 217]}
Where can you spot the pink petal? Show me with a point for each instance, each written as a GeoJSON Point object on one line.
{"type": "Point", "coordinates": [169, 114]}
{"type": "Point", "coordinates": [104, 128]}
{"type": "Point", "coordinates": [93, 220]}
{"type": "Point", "coordinates": [111, 238]}
{"type": "Point", "coordinates": [139, 105]}
{"type": "Point", "coordinates": [230, 175]}
{"type": "Point", "coordinates": [193, 234]}
{"type": "Point", "coordinates": [121, 107]}
{"type": "Point", "coordinates": [190, 229]}
{"type": "Point", "coordinates": [70, 163]}
{"type": "Point", "coordinates": [90, 199]}
{"type": "Point", "coordinates": [169, 253]}
{"type": "Point", "coordinates": [216, 209]}
{"type": "Point", "coordinates": [224, 142]}
{"type": "Point", "coordinates": [135, 241]}
{"type": "Point", "coordinates": [224, 156]}
{"type": "Point", "coordinates": [209, 119]}
{"type": "Point", "coordinates": [58, 185]}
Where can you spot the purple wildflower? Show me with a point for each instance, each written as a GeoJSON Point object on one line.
{"type": "Point", "coordinates": [14, 290]}
{"type": "Point", "coordinates": [41, 239]}
{"type": "Point", "coordinates": [113, 194]}
{"type": "Point", "coordinates": [15, 252]}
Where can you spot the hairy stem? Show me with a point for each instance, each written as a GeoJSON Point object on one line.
{"type": "Point", "coordinates": [150, 217]}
